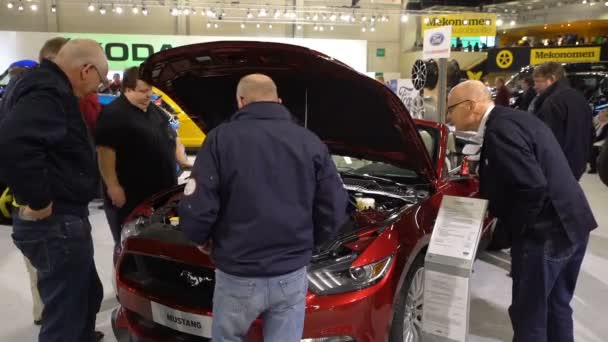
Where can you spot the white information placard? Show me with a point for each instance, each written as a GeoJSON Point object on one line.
{"type": "Point", "coordinates": [437, 43]}
{"type": "Point", "coordinates": [446, 299]}
{"type": "Point", "coordinates": [458, 227]}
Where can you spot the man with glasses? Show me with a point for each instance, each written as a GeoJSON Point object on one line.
{"type": "Point", "coordinates": [525, 177]}
{"type": "Point", "coordinates": [48, 162]}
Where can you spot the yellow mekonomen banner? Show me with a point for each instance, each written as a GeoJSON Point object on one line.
{"type": "Point", "coordinates": [565, 55]}
{"type": "Point", "coordinates": [464, 24]}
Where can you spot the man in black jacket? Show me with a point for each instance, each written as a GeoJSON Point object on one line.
{"type": "Point", "coordinates": [566, 112]}
{"type": "Point", "coordinates": [48, 162]}
{"type": "Point", "coordinates": [265, 191]}
{"type": "Point", "coordinates": [602, 162]}
{"type": "Point", "coordinates": [524, 101]}
{"type": "Point", "coordinates": [525, 177]}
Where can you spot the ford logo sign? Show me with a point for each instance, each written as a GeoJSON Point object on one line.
{"type": "Point", "coordinates": [437, 39]}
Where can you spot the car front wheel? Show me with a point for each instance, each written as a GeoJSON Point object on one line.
{"type": "Point", "coordinates": [407, 320]}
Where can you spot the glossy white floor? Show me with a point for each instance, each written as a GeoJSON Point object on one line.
{"type": "Point", "coordinates": [490, 293]}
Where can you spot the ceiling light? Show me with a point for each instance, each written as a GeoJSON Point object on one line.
{"type": "Point", "coordinates": [270, 26]}
{"type": "Point", "coordinates": [20, 8]}
{"type": "Point", "coordinates": [372, 29]}
{"type": "Point", "coordinates": [373, 19]}
{"type": "Point", "coordinates": [404, 18]}
{"type": "Point", "coordinates": [592, 3]}
{"type": "Point", "coordinates": [569, 25]}
{"type": "Point", "coordinates": [91, 8]}
{"type": "Point", "coordinates": [545, 27]}
{"type": "Point", "coordinates": [263, 13]}
{"type": "Point", "coordinates": [242, 26]}
{"type": "Point", "coordinates": [249, 14]}
{"type": "Point", "coordinates": [584, 2]}
{"type": "Point", "coordinates": [321, 28]}
{"type": "Point", "coordinates": [118, 10]}
{"type": "Point", "coordinates": [193, 11]}
{"type": "Point", "coordinates": [10, 5]}
{"type": "Point", "coordinates": [257, 26]}
{"type": "Point", "coordinates": [299, 27]}
{"type": "Point", "coordinates": [353, 19]}
{"type": "Point", "coordinates": [606, 3]}
{"type": "Point", "coordinates": [307, 17]}
{"type": "Point", "coordinates": [324, 17]}
{"type": "Point", "coordinates": [102, 10]}
{"type": "Point", "coordinates": [333, 17]}
{"type": "Point", "coordinates": [488, 22]}
{"type": "Point", "coordinates": [315, 17]}
{"type": "Point", "coordinates": [54, 8]}
{"type": "Point", "coordinates": [427, 20]}
{"type": "Point", "coordinates": [186, 11]}
{"type": "Point", "coordinates": [499, 22]}
{"type": "Point", "coordinates": [512, 23]}
{"type": "Point", "coordinates": [174, 12]}
{"type": "Point", "coordinates": [144, 11]}
{"type": "Point", "coordinates": [316, 28]}
{"type": "Point", "coordinates": [277, 14]}
{"type": "Point", "coordinates": [34, 7]}
{"type": "Point", "coordinates": [210, 13]}
{"type": "Point", "coordinates": [216, 25]}
{"type": "Point", "coordinates": [135, 10]}
{"type": "Point", "coordinates": [364, 18]}
{"type": "Point", "coordinates": [331, 28]}
{"type": "Point", "coordinates": [363, 29]}
{"type": "Point", "coordinates": [208, 25]}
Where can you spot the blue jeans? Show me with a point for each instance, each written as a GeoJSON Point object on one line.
{"type": "Point", "coordinates": [280, 301]}
{"type": "Point", "coordinates": [545, 267]}
{"type": "Point", "coordinates": [61, 250]}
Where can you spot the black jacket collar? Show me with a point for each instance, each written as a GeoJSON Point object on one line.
{"type": "Point", "coordinates": [263, 111]}
{"type": "Point", "coordinates": [61, 76]}
{"type": "Point", "coordinates": [555, 87]}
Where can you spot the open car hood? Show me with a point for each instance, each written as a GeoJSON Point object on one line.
{"type": "Point", "coordinates": [351, 112]}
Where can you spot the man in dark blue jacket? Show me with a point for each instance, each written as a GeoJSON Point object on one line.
{"type": "Point", "coordinates": [526, 179]}
{"type": "Point", "coordinates": [265, 191]}
{"type": "Point", "coordinates": [49, 163]}
{"type": "Point", "coordinates": [566, 112]}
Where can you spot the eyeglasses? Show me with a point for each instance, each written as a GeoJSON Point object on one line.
{"type": "Point", "coordinates": [452, 107]}
{"type": "Point", "coordinates": [103, 81]}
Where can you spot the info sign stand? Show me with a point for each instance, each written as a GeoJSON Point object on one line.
{"type": "Point", "coordinates": [448, 266]}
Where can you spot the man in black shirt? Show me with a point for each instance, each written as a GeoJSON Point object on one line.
{"type": "Point", "coordinates": [136, 150]}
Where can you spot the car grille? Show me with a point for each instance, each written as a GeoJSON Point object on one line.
{"type": "Point", "coordinates": [176, 282]}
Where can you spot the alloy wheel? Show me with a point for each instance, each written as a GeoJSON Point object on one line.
{"type": "Point", "coordinates": [412, 325]}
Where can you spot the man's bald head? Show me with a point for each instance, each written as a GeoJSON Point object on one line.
{"type": "Point", "coordinates": [256, 88]}
{"type": "Point", "coordinates": [85, 64]}
{"type": "Point", "coordinates": [470, 90]}
{"type": "Point", "coordinates": [467, 104]}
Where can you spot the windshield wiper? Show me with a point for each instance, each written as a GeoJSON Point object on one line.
{"type": "Point", "coordinates": [370, 177]}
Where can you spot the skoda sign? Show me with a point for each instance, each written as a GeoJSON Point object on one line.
{"type": "Point", "coordinates": [437, 38]}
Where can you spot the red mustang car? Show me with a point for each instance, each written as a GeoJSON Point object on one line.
{"type": "Point", "coordinates": [367, 285]}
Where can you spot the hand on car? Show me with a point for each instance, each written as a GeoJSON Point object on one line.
{"type": "Point", "coordinates": [207, 248]}
{"type": "Point", "coordinates": [117, 195]}
{"type": "Point", "coordinates": [35, 215]}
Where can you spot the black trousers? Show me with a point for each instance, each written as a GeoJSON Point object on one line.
{"type": "Point", "coordinates": [545, 269]}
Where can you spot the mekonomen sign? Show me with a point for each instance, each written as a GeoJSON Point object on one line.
{"type": "Point", "coordinates": [463, 24]}
{"type": "Point", "coordinates": [565, 55]}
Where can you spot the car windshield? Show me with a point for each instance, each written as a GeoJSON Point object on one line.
{"type": "Point", "coordinates": [363, 167]}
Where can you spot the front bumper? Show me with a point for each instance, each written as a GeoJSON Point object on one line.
{"type": "Point", "coordinates": [361, 316]}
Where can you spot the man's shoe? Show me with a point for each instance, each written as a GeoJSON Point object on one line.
{"type": "Point", "coordinates": [38, 321]}
{"type": "Point", "coordinates": [97, 336]}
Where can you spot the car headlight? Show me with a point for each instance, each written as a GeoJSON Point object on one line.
{"type": "Point", "coordinates": [132, 228]}
{"type": "Point", "coordinates": [340, 277]}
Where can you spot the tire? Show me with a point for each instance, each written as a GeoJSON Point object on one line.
{"type": "Point", "coordinates": [407, 318]}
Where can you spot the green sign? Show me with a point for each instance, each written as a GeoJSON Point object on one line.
{"type": "Point", "coordinates": [380, 52]}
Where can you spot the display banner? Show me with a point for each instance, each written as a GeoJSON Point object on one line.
{"type": "Point", "coordinates": [411, 98]}
{"type": "Point", "coordinates": [513, 59]}
{"type": "Point", "coordinates": [468, 24]}
{"type": "Point", "coordinates": [437, 43]}
{"type": "Point", "coordinates": [125, 50]}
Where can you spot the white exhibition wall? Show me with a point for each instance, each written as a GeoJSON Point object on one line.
{"type": "Point", "coordinates": [123, 54]}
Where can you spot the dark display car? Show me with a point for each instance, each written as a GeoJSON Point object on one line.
{"type": "Point", "coordinates": [587, 78]}
{"type": "Point", "coordinates": [367, 285]}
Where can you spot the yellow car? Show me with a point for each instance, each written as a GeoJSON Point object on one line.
{"type": "Point", "coordinates": [188, 132]}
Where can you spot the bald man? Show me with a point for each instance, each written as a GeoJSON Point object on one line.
{"type": "Point", "coordinates": [265, 191]}
{"type": "Point", "coordinates": [49, 163]}
{"type": "Point", "coordinates": [526, 179]}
